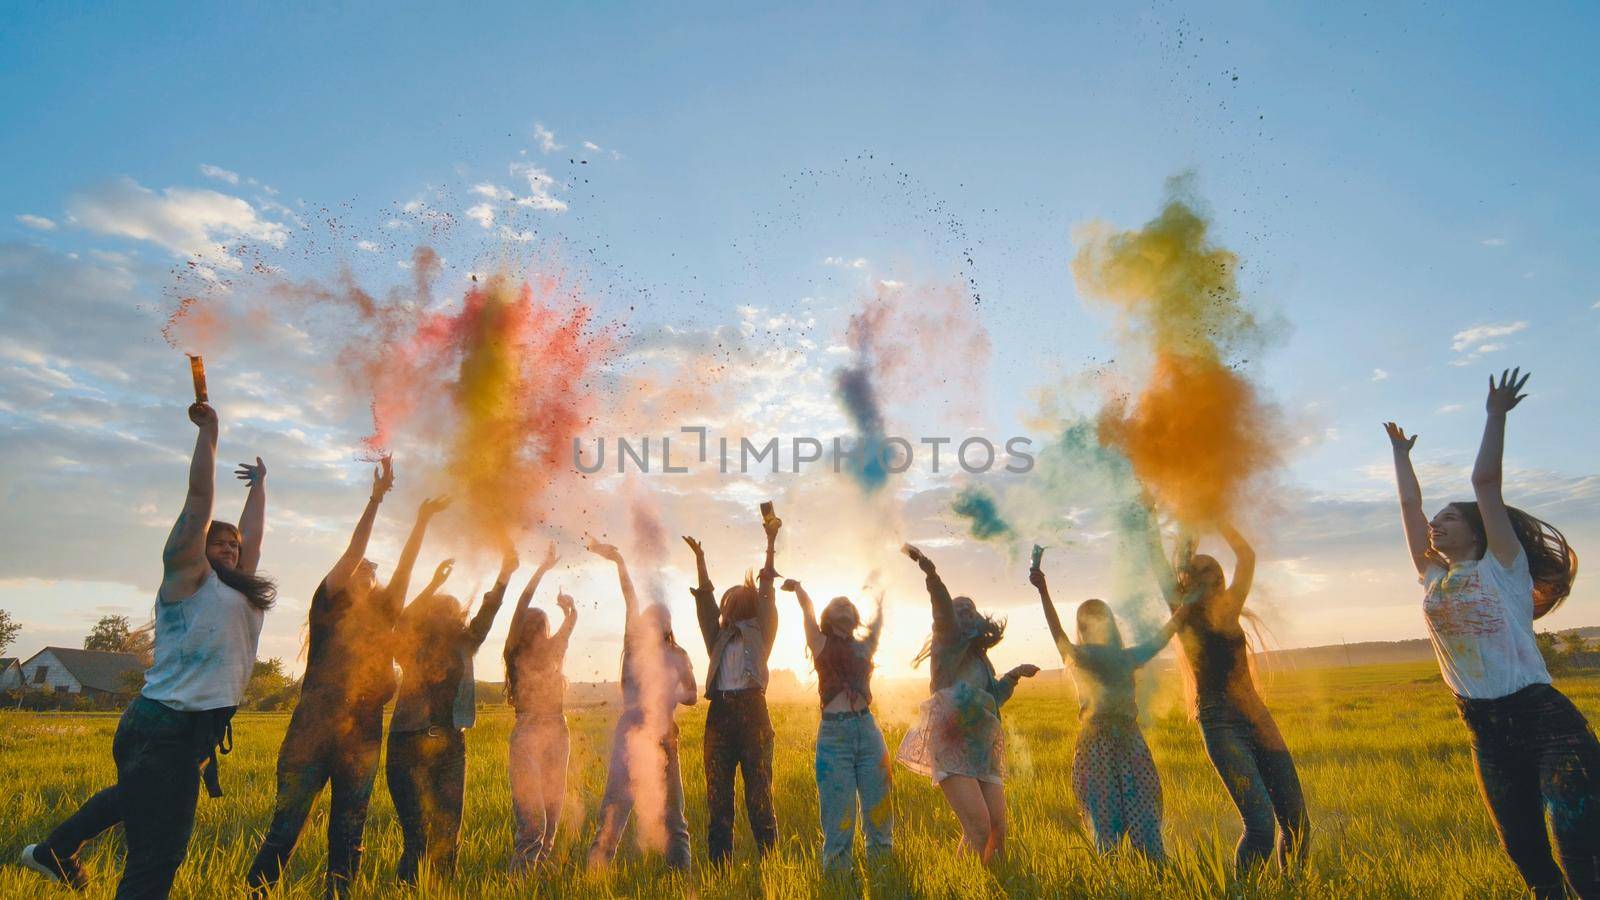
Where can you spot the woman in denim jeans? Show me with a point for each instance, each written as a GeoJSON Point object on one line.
{"type": "Point", "coordinates": [852, 759]}
{"type": "Point", "coordinates": [539, 740]}
{"type": "Point", "coordinates": [1489, 570]}
{"type": "Point", "coordinates": [1240, 735]}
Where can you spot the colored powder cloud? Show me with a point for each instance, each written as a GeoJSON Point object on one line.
{"type": "Point", "coordinates": [978, 506]}
{"type": "Point", "coordinates": [1197, 431]}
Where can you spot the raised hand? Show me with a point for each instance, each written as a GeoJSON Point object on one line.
{"type": "Point", "coordinates": [1504, 397]}
{"type": "Point", "coordinates": [913, 552]}
{"type": "Point", "coordinates": [1398, 439]}
{"type": "Point", "coordinates": [252, 475]}
{"type": "Point", "coordinates": [441, 573]}
{"type": "Point", "coordinates": [770, 525]}
{"type": "Point", "coordinates": [1026, 670]}
{"type": "Point", "coordinates": [604, 551]}
{"type": "Point", "coordinates": [699, 551]}
{"type": "Point", "coordinates": [1036, 577]}
{"type": "Point", "coordinates": [508, 560]}
{"type": "Point", "coordinates": [383, 477]}
{"type": "Point", "coordinates": [566, 603]}
{"type": "Point", "coordinates": [433, 506]}
{"type": "Point", "coordinates": [551, 557]}
{"type": "Point", "coordinates": [202, 415]}
{"type": "Point", "coordinates": [789, 584]}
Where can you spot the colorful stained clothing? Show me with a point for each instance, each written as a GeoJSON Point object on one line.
{"type": "Point", "coordinates": [852, 765]}
{"type": "Point", "coordinates": [958, 731]}
{"type": "Point", "coordinates": [1480, 621]}
{"type": "Point", "coordinates": [1113, 775]}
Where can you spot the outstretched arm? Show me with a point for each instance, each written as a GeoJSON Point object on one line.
{"type": "Point", "coordinates": [569, 618]}
{"type": "Point", "coordinates": [521, 609]}
{"type": "Point", "coordinates": [440, 575]}
{"type": "Point", "coordinates": [944, 610]}
{"type": "Point", "coordinates": [630, 599]}
{"type": "Point", "coordinates": [1143, 653]}
{"type": "Point", "coordinates": [875, 627]}
{"type": "Point", "coordinates": [183, 559]}
{"type": "Point", "coordinates": [1063, 642]}
{"type": "Point", "coordinates": [356, 550]}
{"type": "Point", "coordinates": [808, 616]}
{"type": "Point", "coordinates": [1003, 687]}
{"type": "Point", "coordinates": [1486, 474]}
{"type": "Point", "coordinates": [400, 582]}
{"type": "Point", "coordinates": [705, 598]}
{"type": "Point", "coordinates": [1244, 571]}
{"type": "Point", "coordinates": [253, 520]}
{"type": "Point", "coordinates": [1166, 577]}
{"type": "Point", "coordinates": [1412, 518]}
{"type": "Point", "coordinates": [478, 628]}
{"type": "Point", "coordinates": [766, 600]}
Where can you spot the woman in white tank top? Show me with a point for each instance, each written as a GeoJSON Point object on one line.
{"type": "Point", "coordinates": [209, 612]}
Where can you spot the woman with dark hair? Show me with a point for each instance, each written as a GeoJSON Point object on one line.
{"type": "Point", "coordinates": [739, 634]}
{"type": "Point", "coordinates": [852, 759]}
{"type": "Point", "coordinates": [539, 745]}
{"type": "Point", "coordinates": [427, 764]}
{"type": "Point", "coordinates": [1488, 570]}
{"type": "Point", "coordinates": [1113, 776]}
{"type": "Point", "coordinates": [208, 617]}
{"type": "Point", "coordinates": [643, 774]}
{"type": "Point", "coordinates": [958, 742]}
{"type": "Point", "coordinates": [1241, 737]}
{"type": "Point", "coordinates": [336, 732]}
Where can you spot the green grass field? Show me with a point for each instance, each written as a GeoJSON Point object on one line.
{"type": "Point", "coordinates": [1384, 758]}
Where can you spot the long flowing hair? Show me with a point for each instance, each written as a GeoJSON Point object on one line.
{"type": "Point", "coordinates": [985, 634]}
{"type": "Point", "coordinates": [1552, 562]}
{"type": "Point", "coordinates": [258, 590]}
{"type": "Point", "coordinates": [528, 641]}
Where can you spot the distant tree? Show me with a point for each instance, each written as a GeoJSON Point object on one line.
{"type": "Point", "coordinates": [270, 687]}
{"type": "Point", "coordinates": [112, 635]}
{"type": "Point", "coordinates": [1573, 645]}
{"type": "Point", "coordinates": [1546, 641]}
{"type": "Point", "coordinates": [8, 630]}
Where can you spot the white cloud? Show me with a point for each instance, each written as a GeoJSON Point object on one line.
{"type": "Point", "coordinates": [368, 246]}
{"type": "Point", "coordinates": [1479, 339]}
{"type": "Point", "coordinates": [545, 137]}
{"type": "Point", "coordinates": [492, 191]}
{"type": "Point", "coordinates": [483, 214]}
{"type": "Point", "coordinates": [844, 262]}
{"type": "Point", "coordinates": [1493, 242]}
{"type": "Point", "coordinates": [194, 223]}
{"type": "Point", "coordinates": [1449, 408]}
{"type": "Point", "coordinates": [540, 188]}
{"type": "Point", "coordinates": [38, 223]}
{"type": "Point", "coordinates": [1379, 375]}
{"type": "Point", "coordinates": [598, 150]}
{"type": "Point", "coordinates": [217, 173]}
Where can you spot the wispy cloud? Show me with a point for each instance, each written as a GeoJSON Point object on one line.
{"type": "Point", "coordinates": [218, 173]}
{"type": "Point", "coordinates": [1379, 375]}
{"type": "Point", "coordinates": [1493, 242]}
{"type": "Point", "coordinates": [483, 214]}
{"type": "Point", "coordinates": [190, 223]}
{"type": "Point", "coordinates": [844, 262]}
{"type": "Point", "coordinates": [1449, 408]}
{"type": "Point", "coordinates": [368, 246]}
{"type": "Point", "coordinates": [1474, 342]}
{"type": "Point", "coordinates": [545, 138]}
{"type": "Point", "coordinates": [541, 188]}
{"type": "Point", "coordinates": [38, 223]}
{"type": "Point", "coordinates": [598, 150]}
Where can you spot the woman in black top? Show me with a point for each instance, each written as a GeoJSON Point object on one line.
{"type": "Point", "coordinates": [1240, 735]}
{"type": "Point", "coordinates": [427, 763]}
{"type": "Point", "coordinates": [852, 759]}
{"type": "Point", "coordinates": [337, 727]}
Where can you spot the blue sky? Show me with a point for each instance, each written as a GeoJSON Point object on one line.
{"type": "Point", "coordinates": [1392, 178]}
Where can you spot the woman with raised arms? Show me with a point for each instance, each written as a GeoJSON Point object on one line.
{"type": "Point", "coordinates": [1488, 570]}
{"type": "Point", "coordinates": [958, 742]}
{"type": "Point", "coordinates": [1241, 737]}
{"type": "Point", "coordinates": [437, 703]}
{"type": "Point", "coordinates": [1113, 776]}
{"type": "Point", "coordinates": [536, 688]}
{"type": "Point", "coordinates": [336, 732]}
{"type": "Point", "coordinates": [852, 759]}
{"type": "Point", "coordinates": [208, 616]}
{"type": "Point", "coordinates": [643, 774]}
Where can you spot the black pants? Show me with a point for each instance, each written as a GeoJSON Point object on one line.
{"type": "Point", "coordinates": [1259, 775]}
{"type": "Point", "coordinates": [738, 736]}
{"type": "Point", "coordinates": [158, 783]}
{"type": "Point", "coordinates": [427, 771]}
{"type": "Point", "coordinates": [1536, 754]}
{"type": "Point", "coordinates": [322, 745]}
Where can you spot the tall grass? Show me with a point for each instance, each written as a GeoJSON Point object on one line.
{"type": "Point", "coordinates": [1384, 759]}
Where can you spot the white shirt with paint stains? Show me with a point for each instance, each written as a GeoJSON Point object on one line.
{"type": "Point", "coordinates": [1480, 619]}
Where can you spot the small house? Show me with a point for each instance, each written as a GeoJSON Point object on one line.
{"type": "Point", "coordinates": [95, 674]}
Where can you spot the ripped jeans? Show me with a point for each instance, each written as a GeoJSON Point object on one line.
{"type": "Point", "coordinates": [1535, 753]}
{"type": "Point", "coordinates": [852, 762]}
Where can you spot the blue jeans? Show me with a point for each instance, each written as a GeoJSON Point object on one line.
{"type": "Point", "coordinates": [852, 762]}
{"type": "Point", "coordinates": [1259, 775]}
{"type": "Point", "coordinates": [427, 773]}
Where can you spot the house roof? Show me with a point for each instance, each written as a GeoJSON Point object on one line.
{"type": "Point", "coordinates": [98, 669]}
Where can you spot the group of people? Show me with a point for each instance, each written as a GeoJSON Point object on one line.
{"type": "Point", "coordinates": [1488, 570]}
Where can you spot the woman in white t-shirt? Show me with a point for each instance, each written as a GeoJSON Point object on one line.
{"type": "Point", "coordinates": [1489, 570]}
